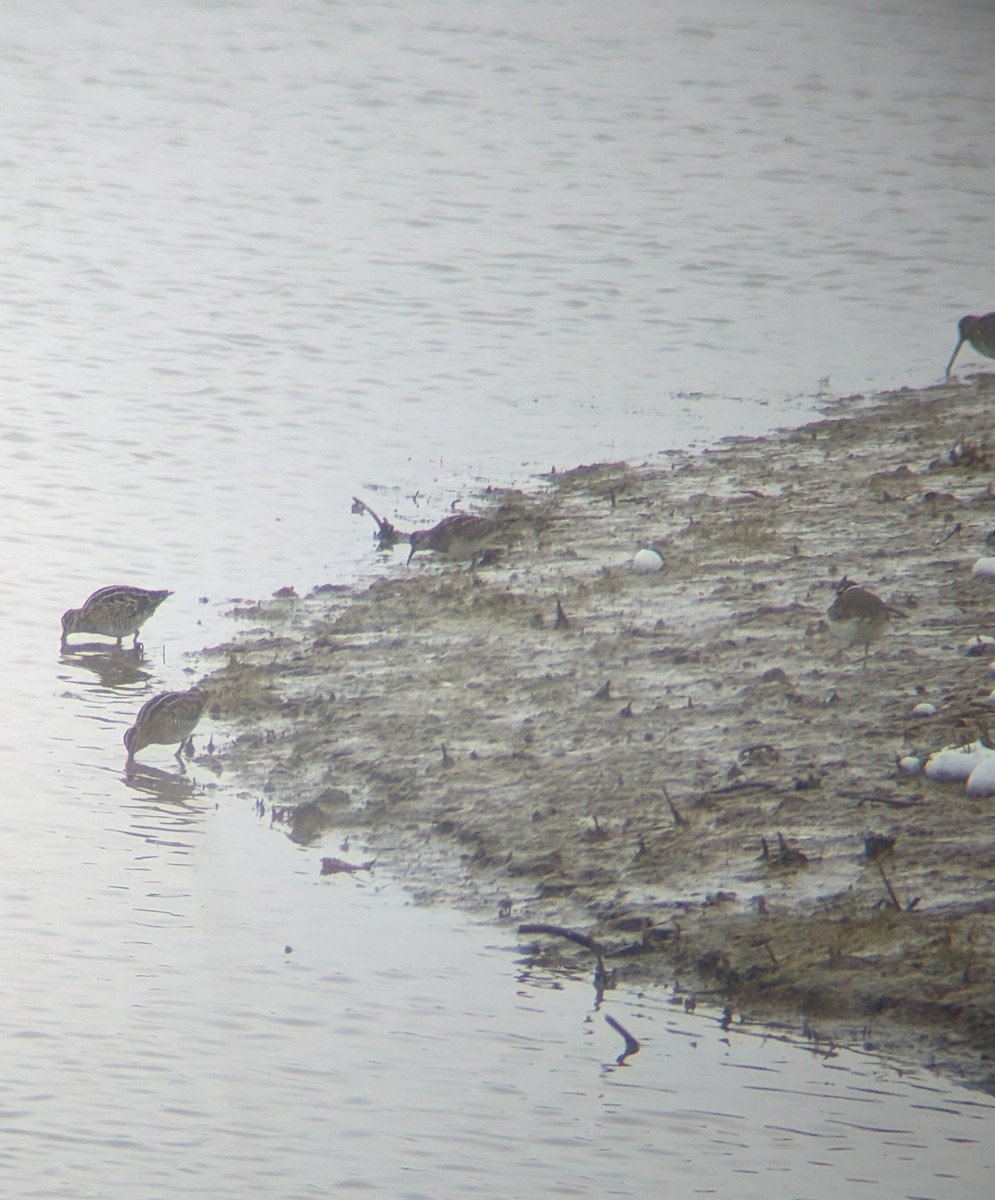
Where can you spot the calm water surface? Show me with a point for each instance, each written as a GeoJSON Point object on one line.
{"type": "Point", "coordinates": [258, 260]}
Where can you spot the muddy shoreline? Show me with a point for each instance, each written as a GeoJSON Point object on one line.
{"type": "Point", "coordinates": [687, 770]}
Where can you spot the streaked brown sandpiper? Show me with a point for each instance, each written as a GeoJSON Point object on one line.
{"type": "Point", "coordinates": [113, 611]}
{"type": "Point", "coordinates": [165, 720]}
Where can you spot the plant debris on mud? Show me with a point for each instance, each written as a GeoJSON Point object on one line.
{"type": "Point", "coordinates": [681, 766]}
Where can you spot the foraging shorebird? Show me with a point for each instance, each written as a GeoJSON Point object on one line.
{"type": "Point", "coordinates": [112, 611]}
{"type": "Point", "coordinates": [461, 536]}
{"type": "Point", "coordinates": [167, 719]}
{"type": "Point", "coordinates": [980, 332]}
{"type": "Point", "coordinates": [858, 617]}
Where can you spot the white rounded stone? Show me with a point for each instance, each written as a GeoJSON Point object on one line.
{"type": "Point", "coordinates": [981, 781]}
{"type": "Point", "coordinates": [953, 764]}
{"type": "Point", "coordinates": [648, 562]}
{"type": "Point", "coordinates": [984, 568]}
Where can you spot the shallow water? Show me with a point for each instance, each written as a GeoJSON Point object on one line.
{"type": "Point", "coordinates": [256, 264]}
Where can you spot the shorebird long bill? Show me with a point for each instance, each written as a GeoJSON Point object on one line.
{"type": "Point", "coordinates": [980, 332]}
{"type": "Point", "coordinates": [950, 364]}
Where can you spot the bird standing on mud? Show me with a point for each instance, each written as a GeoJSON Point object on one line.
{"type": "Point", "coordinates": [980, 332]}
{"type": "Point", "coordinates": [165, 720]}
{"type": "Point", "coordinates": [113, 612]}
{"type": "Point", "coordinates": [858, 617]}
{"type": "Point", "coordinates": [461, 536]}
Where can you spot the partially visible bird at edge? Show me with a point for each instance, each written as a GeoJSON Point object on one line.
{"type": "Point", "coordinates": [114, 611]}
{"type": "Point", "coordinates": [165, 720]}
{"type": "Point", "coordinates": [980, 332]}
{"type": "Point", "coordinates": [858, 617]}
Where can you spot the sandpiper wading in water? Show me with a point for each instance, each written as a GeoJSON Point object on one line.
{"type": "Point", "coordinates": [113, 612]}
{"type": "Point", "coordinates": [165, 720]}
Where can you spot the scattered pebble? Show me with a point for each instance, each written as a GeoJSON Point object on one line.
{"type": "Point", "coordinates": [954, 764]}
{"type": "Point", "coordinates": [909, 764]}
{"type": "Point", "coordinates": [981, 644]}
{"type": "Point", "coordinates": [984, 568]}
{"type": "Point", "coordinates": [924, 709]}
{"type": "Point", "coordinates": [981, 781]}
{"type": "Point", "coordinates": [649, 561]}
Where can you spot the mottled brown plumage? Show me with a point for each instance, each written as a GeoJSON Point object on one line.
{"type": "Point", "coordinates": [858, 617]}
{"type": "Point", "coordinates": [167, 719]}
{"type": "Point", "coordinates": [113, 612]}
{"type": "Point", "coordinates": [461, 536]}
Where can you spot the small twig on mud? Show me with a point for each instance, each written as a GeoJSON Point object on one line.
{"type": "Point", "coordinates": [631, 1043]}
{"type": "Point", "coordinates": [891, 802]}
{"type": "Point", "coordinates": [773, 957]}
{"type": "Point", "coordinates": [789, 856]}
{"type": "Point", "coordinates": [744, 785]}
{"type": "Point", "coordinates": [679, 818]}
{"type": "Point", "coordinates": [891, 890]}
{"type": "Point", "coordinates": [580, 939]}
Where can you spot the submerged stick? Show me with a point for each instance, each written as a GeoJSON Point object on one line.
{"type": "Point", "coordinates": [631, 1043]}
{"type": "Point", "coordinates": [387, 534]}
{"type": "Point", "coordinates": [602, 978]}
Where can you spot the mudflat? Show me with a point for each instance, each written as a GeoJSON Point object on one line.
{"type": "Point", "coordinates": [683, 767]}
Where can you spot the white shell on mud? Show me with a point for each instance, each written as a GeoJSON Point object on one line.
{"type": "Point", "coordinates": [909, 764]}
{"type": "Point", "coordinates": [648, 562]}
{"type": "Point", "coordinates": [924, 709]}
{"type": "Point", "coordinates": [954, 764]}
{"type": "Point", "coordinates": [981, 781]}
{"type": "Point", "coordinates": [984, 568]}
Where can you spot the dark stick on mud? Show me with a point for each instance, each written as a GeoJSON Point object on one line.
{"type": "Point", "coordinates": [679, 818]}
{"type": "Point", "coordinates": [562, 620]}
{"type": "Point", "coordinates": [891, 890]}
{"type": "Point", "coordinates": [631, 1043]}
{"type": "Point", "coordinates": [580, 939]}
{"type": "Point", "coordinates": [602, 978]}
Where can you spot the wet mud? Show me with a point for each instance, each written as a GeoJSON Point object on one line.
{"type": "Point", "coordinates": [682, 767]}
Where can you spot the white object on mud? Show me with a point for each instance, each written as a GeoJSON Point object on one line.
{"type": "Point", "coordinates": [984, 568]}
{"type": "Point", "coordinates": [981, 781]}
{"type": "Point", "coordinates": [924, 709]}
{"type": "Point", "coordinates": [981, 643]}
{"type": "Point", "coordinates": [909, 764]}
{"type": "Point", "coordinates": [954, 764]}
{"type": "Point", "coordinates": [648, 561]}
